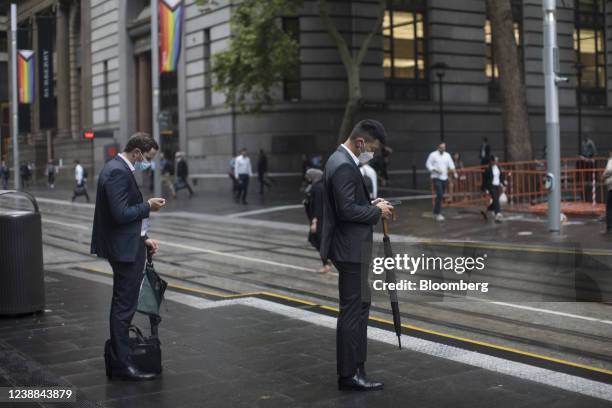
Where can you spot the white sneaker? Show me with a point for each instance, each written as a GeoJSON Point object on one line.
{"type": "Point", "coordinates": [439, 217]}
{"type": "Point", "coordinates": [499, 217]}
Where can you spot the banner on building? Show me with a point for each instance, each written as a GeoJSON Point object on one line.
{"type": "Point", "coordinates": [170, 32]}
{"type": "Point", "coordinates": [46, 99]}
{"type": "Point", "coordinates": [25, 76]}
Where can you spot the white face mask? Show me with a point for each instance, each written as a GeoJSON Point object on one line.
{"type": "Point", "coordinates": [365, 157]}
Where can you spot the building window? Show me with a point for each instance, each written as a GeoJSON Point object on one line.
{"type": "Point", "coordinates": [589, 40]}
{"type": "Point", "coordinates": [3, 41]}
{"type": "Point", "coordinates": [405, 50]}
{"type": "Point", "coordinates": [491, 67]}
{"type": "Point", "coordinates": [207, 73]}
{"type": "Point", "coordinates": [291, 84]}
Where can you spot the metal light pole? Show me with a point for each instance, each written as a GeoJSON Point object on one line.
{"type": "Point", "coordinates": [439, 68]}
{"type": "Point", "coordinates": [553, 154]}
{"type": "Point", "coordinates": [14, 100]}
{"type": "Point", "coordinates": [155, 83]}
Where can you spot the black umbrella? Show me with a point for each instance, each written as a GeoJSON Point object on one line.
{"type": "Point", "coordinates": [152, 290]}
{"type": "Point", "coordinates": [390, 278]}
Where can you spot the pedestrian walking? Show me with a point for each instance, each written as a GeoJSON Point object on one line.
{"type": "Point", "coordinates": [80, 177]}
{"type": "Point", "coordinates": [5, 174]}
{"type": "Point", "coordinates": [182, 174]}
{"type": "Point", "coordinates": [346, 238]}
{"type": "Point", "coordinates": [439, 163]}
{"type": "Point", "coordinates": [607, 178]}
{"type": "Point", "coordinates": [167, 172]}
{"type": "Point", "coordinates": [243, 172]}
{"type": "Point", "coordinates": [262, 170]}
{"type": "Point", "coordinates": [120, 228]}
{"type": "Point", "coordinates": [24, 172]}
{"type": "Point", "coordinates": [484, 152]}
{"type": "Point", "coordinates": [493, 184]}
{"type": "Point", "coordinates": [50, 172]}
{"type": "Point", "coordinates": [313, 204]}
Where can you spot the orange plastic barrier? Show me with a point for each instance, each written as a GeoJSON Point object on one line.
{"type": "Point", "coordinates": [582, 188]}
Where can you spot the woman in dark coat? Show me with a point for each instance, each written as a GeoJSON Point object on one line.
{"type": "Point", "coordinates": [313, 203]}
{"type": "Point", "coordinates": [493, 183]}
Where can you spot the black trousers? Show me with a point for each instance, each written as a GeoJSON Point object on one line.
{"type": "Point", "coordinates": [494, 206]}
{"type": "Point", "coordinates": [127, 277]}
{"type": "Point", "coordinates": [352, 328]}
{"type": "Point", "coordinates": [243, 188]}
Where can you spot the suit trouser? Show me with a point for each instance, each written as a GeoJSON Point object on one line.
{"type": "Point", "coordinates": [127, 277]}
{"type": "Point", "coordinates": [352, 328]}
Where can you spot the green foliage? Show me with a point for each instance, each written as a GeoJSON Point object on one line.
{"type": "Point", "coordinates": [260, 54]}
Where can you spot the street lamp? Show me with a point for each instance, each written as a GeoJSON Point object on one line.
{"type": "Point", "coordinates": [579, 68]}
{"type": "Point", "coordinates": [440, 68]}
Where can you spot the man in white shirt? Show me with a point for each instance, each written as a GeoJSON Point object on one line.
{"type": "Point", "coordinates": [242, 172]}
{"type": "Point", "coordinates": [439, 163]}
{"type": "Point", "coordinates": [80, 177]}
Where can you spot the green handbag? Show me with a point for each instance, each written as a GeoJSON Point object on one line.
{"type": "Point", "coordinates": [152, 290]}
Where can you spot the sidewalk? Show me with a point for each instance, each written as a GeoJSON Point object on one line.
{"type": "Point", "coordinates": [247, 352]}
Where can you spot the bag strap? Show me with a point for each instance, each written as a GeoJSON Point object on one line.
{"type": "Point", "coordinates": [134, 329]}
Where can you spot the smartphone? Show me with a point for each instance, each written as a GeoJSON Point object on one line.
{"type": "Point", "coordinates": [395, 203]}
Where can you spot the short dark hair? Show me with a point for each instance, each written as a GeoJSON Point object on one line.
{"type": "Point", "coordinates": [142, 141]}
{"type": "Point", "coordinates": [371, 128]}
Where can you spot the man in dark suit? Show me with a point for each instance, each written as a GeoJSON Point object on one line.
{"type": "Point", "coordinates": [120, 235]}
{"type": "Point", "coordinates": [346, 239]}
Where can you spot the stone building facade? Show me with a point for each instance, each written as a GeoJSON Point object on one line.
{"type": "Point", "coordinates": [106, 80]}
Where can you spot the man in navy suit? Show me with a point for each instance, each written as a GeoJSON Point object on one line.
{"type": "Point", "coordinates": [121, 221]}
{"type": "Point", "coordinates": [346, 239]}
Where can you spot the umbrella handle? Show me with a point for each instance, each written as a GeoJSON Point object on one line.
{"type": "Point", "coordinates": [385, 227]}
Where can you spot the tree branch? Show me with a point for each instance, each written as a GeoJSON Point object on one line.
{"type": "Point", "coordinates": [366, 42]}
{"type": "Point", "coordinates": [345, 54]}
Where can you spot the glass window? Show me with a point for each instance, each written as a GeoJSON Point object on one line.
{"type": "Point", "coordinates": [589, 38]}
{"type": "Point", "coordinates": [405, 50]}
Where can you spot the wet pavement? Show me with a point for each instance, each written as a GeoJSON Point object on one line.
{"type": "Point", "coordinates": [246, 352]}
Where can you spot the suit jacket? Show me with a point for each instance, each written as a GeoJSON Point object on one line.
{"type": "Point", "coordinates": [118, 214]}
{"type": "Point", "coordinates": [348, 216]}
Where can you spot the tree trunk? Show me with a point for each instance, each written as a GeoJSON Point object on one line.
{"type": "Point", "coordinates": [514, 108]}
{"type": "Point", "coordinates": [351, 65]}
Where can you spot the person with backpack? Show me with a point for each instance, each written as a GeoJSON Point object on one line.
{"type": "Point", "coordinates": [50, 172]}
{"type": "Point", "coordinates": [313, 204]}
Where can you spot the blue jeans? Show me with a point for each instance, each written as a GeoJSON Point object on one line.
{"type": "Point", "coordinates": [439, 186]}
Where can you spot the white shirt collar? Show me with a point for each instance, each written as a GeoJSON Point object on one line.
{"type": "Point", "coordinates": [355, 159]}
{"type": "Point", "coordinates": [130, 165]}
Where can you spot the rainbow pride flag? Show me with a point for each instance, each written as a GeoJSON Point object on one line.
{"type": "Point", "coordinates": [170, 26]}
{"type": "Point", "coordinates": [25, 75]}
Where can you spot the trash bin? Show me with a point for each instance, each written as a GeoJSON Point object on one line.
{"type": "Point", "coordinates": [22, 286]}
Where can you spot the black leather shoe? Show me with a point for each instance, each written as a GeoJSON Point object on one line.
{"type": "Point", "coordinates": [132, 373]}
{"type": "Point", "coordinates": [358, 382]}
